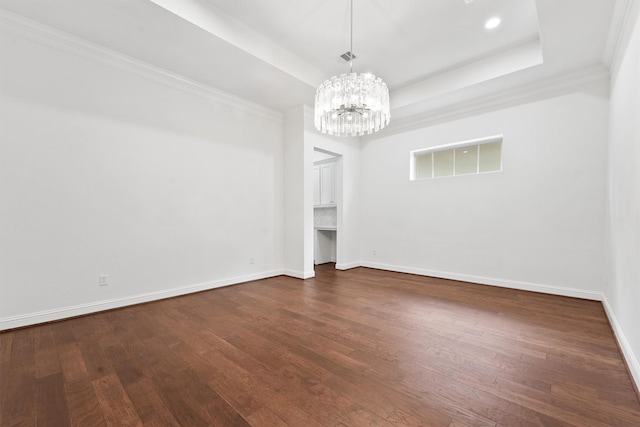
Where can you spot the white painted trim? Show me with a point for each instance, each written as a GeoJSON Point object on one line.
{"type": "Point", "coordinates": [459, 144]}
{"type": "Point", "coordinates": [20, 26]}
{"type": "Point", "coordinates": [620, 25]}
{"type": "Point", "coordinates": [633, 362]}
{"type": "Point", "coordinates": [299, 274]}
{"type": "Point", "coordinates": [512, 284]}
{"type": "Point", "coordinates": [509, 60]}
{"type": "Point", "coordinates": [97, 306]}
{"type": "Point", "coordinates": [496, 100]}
{"type": "Point", "coordinates": [347, 265]}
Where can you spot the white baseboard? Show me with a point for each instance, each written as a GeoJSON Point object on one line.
{"type": "Point", "coordinates": [94, 307]}
{"type": "Point", "coordinates": [512, 284]}
{"type": "Point", "coordinates": [627, 352]}
{"type": "Point", "coordinates": [347, 265]}
{"type": "Point", "coordinates": [299, 274]}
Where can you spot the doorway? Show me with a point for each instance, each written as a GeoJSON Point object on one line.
{"type": "Point", "coordinates": [327, 210]}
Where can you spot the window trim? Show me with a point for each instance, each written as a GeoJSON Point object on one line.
{"type": "Point", "coordinates": [452, 146]}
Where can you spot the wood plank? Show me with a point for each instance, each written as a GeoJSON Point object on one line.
{"type": "Point", "coordinates": [6, 342]}
{"type": "Point", "coordinates": [96, 363]}
{"type": "Point", "coordinates": [22, 355]}
{"type": "Point", "coordinates": [84, 408]}
{"type": "Point", "coordinates": [46, 357]}
{"type": "Point", "coordinates": [264, 417]}
{"type": "Point", "coordinates": [50, 401]}
{"type": "Point", "coordinates": [72, 361]}
{"type": "Point", "coordinates": [148, 403]}
{"type": "Point", "coordinates": [17, 397]}
{"type": "Point", "coordinates": [114, 402]}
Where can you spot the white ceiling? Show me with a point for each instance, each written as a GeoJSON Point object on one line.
{"type": "Point", "coordinates": [275, 52]}
{"type": "Point", "coordinates": [401, 41]}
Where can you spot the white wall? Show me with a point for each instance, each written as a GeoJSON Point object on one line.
{"type": "Point", "coordinates": [623, 288]}
{"type": "Point", "coordinates": [538, 224]}
{"type": "Point", "coordinates": [103, 171]}
{"type": "Point", "coordinates": [298, 201]}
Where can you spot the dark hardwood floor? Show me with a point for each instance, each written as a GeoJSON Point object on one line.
{"type": "Point", "coordinates": [354, 348]}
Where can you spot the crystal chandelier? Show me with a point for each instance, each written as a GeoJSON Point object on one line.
{"type": "Point", "coordinates": [352, 104]}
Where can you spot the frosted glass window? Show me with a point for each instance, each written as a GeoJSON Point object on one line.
{"type": "Point", "coordinates": [424, 165]}
{"type": "Point", "coordinates": [491, 157]}
{"type": "Point", "coordinates": [462, 158]}
{"type": "Point", "coordinates": [466, 160]}
{"type": "Point", "coordinates": [443, 163]}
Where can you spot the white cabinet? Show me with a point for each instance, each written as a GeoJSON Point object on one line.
{"type": "Point", "coordinates": [324, 184]}
{"type": "Point", "coordinates": [328, 184]}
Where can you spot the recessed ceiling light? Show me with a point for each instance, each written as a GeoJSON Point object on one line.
{"type": "Point", "coordinates": [492, 23]}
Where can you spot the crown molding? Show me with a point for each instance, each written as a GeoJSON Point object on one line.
{"type": "Point", "coordinates": [20, 26]}
{"type": "Point", "coordinates": [621, 24]}
{"type": "Point", "coordinates": [539, 89]}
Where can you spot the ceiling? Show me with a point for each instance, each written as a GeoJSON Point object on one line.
{"type": "Point", "coordinates": [275, 52]}
{"type": "Point", "coordinates": [400, 44]}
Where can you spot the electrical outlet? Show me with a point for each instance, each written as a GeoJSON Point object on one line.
{"type": "Point", "coordinates": [103, 280]}
{"type": "Point", "coordinates": [374, 252]}
{"type": "Point", "coordinates": [252, 260]}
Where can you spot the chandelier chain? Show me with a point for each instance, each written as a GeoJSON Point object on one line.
{"type": "Point", "coordinates": [351, 45]}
